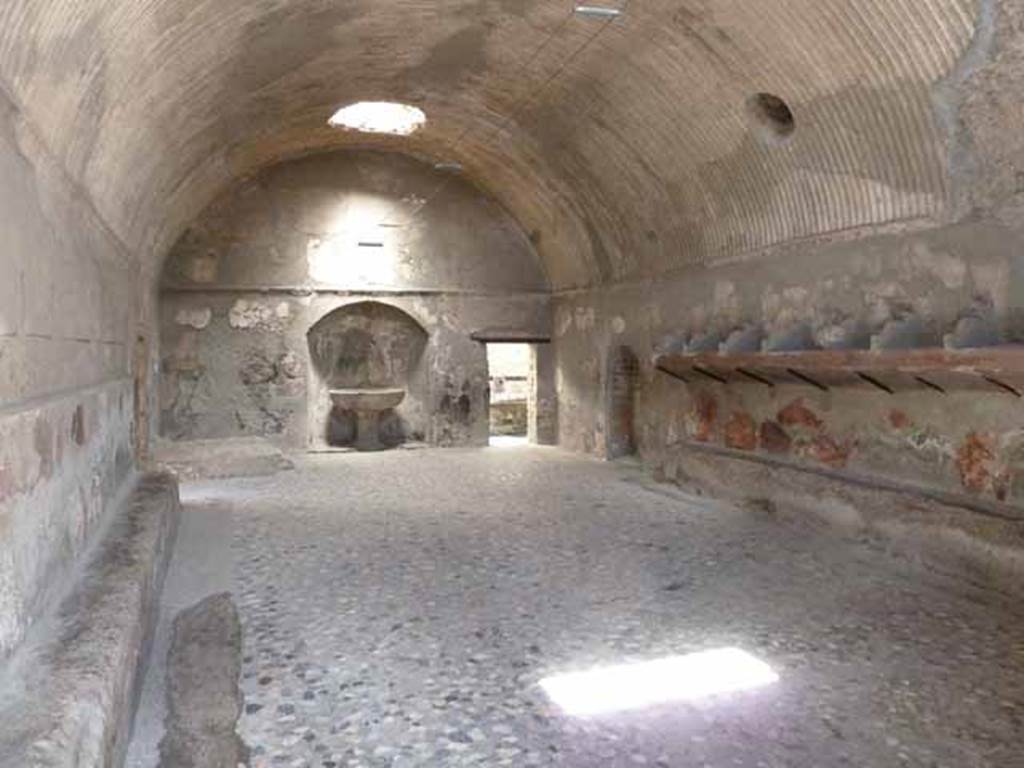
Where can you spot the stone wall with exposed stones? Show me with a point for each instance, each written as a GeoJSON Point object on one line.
{"type": "Point", "coordinates": [795, 444]}
{"type": "Point", "coordinates": [951, 282]}
{"type": "Point", "coordinates": [71, 307]}
{"type": "Point", "coordinates": [895, 291]}
{"type": "Point", "coordinates": [273, 257]}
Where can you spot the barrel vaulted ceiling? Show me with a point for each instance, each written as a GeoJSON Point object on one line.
{"type": "Point", "coordinates": [625, 147]}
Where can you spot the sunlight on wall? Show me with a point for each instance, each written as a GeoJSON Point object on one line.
{"type": "Point", "coordinates": [360, 249]}
{"type": "Point", "coordinates": [676, 678]}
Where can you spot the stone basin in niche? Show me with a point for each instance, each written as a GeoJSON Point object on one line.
{"type": "Point", "coordinates": [368, 404]}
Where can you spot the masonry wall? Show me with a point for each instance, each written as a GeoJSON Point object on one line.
{"type": "Point", "coordinates": [941, 470]}
{"type": "Point", "coordinates": [70, 310]}
{"type": "Point", "coordinates": [269, 259]}
{"type": "Point", "coordinates": [958, 285]}
{"type": "Point", "coordinates": [952, 279]}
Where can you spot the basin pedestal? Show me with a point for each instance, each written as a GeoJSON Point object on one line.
{"type": "Point", "coordinates": [368, 405]}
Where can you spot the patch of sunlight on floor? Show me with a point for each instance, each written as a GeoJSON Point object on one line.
{"type": "Point", "coordinates": [676, 678]}
{"type": "Point", "coordinates": [508, 441]}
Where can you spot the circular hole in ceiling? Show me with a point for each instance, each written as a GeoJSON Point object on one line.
{"type": "Point", "coordinates": [772, 116]}
{"type": "Point", "coordinates": [379, 117]}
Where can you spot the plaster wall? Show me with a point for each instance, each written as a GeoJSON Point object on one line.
{"type": "Point", "coordinates": [625, 146]}
{"type": "Point", "coordinates": [625, 149]}
{"type": "Point", "coordinates": [936, 283]}
{"type": "Point", "coordinates": [953, 280]}
{"type": "Point", "coordinates": [542, 405]}
{"type": "Point", "coordinates": [940, 470]}
{"type": "Point", "coordinates": [272, 257]}
{"type": "Point", "coordinates": [71, 305]}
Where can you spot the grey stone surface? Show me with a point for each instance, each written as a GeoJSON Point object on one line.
{"type": "Point", "coordinates": [68, 695]}
{"type": "Point", "coordinates": [346, 220]}
{"type": "Point", "coordinates": [636, 158]}
{"type": "Point", "coordinates": [200, 566]}
{"type": "Point", "coordinates": [962, 440]}
{"type": "Point", "coordinates": [203, 698]}
{"type": "Point", "coordinates": [330, 271]}
{"type": "Point", "coordinates": [542, 414]}
{"type": "Point", "coordinates": [68, 312]}
{"type": "Point", "coordinates": [64, 463]}
{"type": "Point", "coordinates": [400, 609]}
{"type": "Point", "coordinates": [986, 541]}
{"type": "Point", "coordinates": [231, 457]}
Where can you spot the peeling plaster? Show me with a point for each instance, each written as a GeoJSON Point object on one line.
{"type": "Point", "coordinates": [194, 318]}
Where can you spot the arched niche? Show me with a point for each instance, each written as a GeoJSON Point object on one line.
{"type": "Point", "coordinates": [366, 344]}
{"type": "Point", "coordinates": [623, 375]}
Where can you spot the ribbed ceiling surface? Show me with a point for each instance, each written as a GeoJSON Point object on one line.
{"type": "Point", "coordinates": [626, 147]}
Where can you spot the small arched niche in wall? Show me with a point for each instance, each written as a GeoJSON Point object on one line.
{"type": "Point", "coordinates": [623, 374]}
{"type": "Point", "coordinates": [366, 346]}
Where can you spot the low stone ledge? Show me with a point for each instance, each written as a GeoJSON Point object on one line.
{"type": "Point", "coordinates": [982, 540]}
{"type": "Point", "coordinates": [192, 460]}
{"type": "Point", "coordinates": [71, 691]}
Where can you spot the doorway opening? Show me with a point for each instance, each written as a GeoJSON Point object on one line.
{"type": "Point", "coordinates": [508, 367]}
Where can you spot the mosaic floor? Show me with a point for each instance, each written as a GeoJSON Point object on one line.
{"type": "Point", "coordinates": [403, 609]}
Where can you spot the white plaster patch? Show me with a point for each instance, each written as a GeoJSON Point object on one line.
{"type": "Point", "coordinates": [194, 318]}
{"type": "Point", "coordinates": [726, 300]}
{"type": "Point", "coordinates": [584, 318]}
{"type": "Point", "coordinates": [650, 316]}
{"type": "Point", "coordinates": [880, 298]}
{"type": "Point", "coordinates": [770, 302]}
{"type": "Point", "coordinates": [723, 292]}
{"type": "Point", "coordinates": [618, 324]}
{"type": "Point", "coordinates": [929, 443]}
{"type": "Point", "coordinates": [796, 295]}
{"type": "Point", "coordinates": [424, 312]}
{"type": "Point", "coordinates": [698, 316]}
{"type": "Point", "coordinates": [202, 268]}
{"type": "Point", "coordinates": [830, 335]}
{"type": "Point", "coordinates": [994, 282]}
{"type": "Point", "coordinates": [563, 321]}
{"type": "Point", "coordinates": [949, 269]}
{"type": "Point", "coordinates": [253, 315]}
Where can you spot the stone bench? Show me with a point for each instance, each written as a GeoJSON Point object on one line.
{"type": "Point", "coordinates": [68, 695]}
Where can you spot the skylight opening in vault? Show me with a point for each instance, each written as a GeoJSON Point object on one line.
{"type": "Point", "coordinates": [379, 117]}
